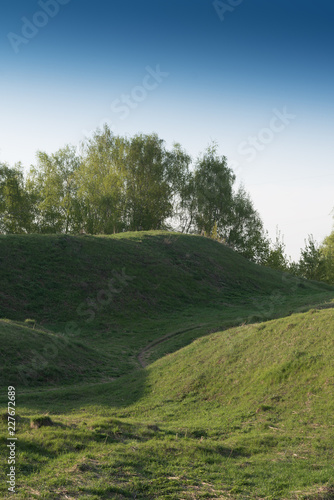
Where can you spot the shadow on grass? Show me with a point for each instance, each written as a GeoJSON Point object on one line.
{"type": "Point", "coordinates": [121, 392]}
{"type": "Point", "coordinates": [32, 447]}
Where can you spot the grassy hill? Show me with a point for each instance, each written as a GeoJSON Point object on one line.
{"type": "Point", "coordinates": [48, 278]}
{"type": "Point", "coordinates": [236, 397]}
{"type": "Point", "coordinates": [35, 356]}
{"type": "Point", "coordinates": [118, 294]}
{"type": "Point", "coordinates": [245, 413]}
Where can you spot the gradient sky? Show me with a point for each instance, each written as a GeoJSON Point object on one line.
{"type": "Point", "coordinates": [256, 76]}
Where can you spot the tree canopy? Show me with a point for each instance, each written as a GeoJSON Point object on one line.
{"type": "Point", "coordinates": [119, 184]}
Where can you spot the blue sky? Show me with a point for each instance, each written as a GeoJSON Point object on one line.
{"type": "Point", "coordinates": [255, 76]}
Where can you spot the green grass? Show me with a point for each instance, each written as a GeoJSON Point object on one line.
{"type": "Point", "coordinates": [245, 411]}
{"type": "Point", "coordinates": [115, 295]}
{"type": "Point", "coordinates": [34, 356]}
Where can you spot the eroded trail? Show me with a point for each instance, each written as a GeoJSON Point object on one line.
{"type": "Point", "coordinates": [140, 357]}
{"type": "Point", "coordinates": [143, 353]}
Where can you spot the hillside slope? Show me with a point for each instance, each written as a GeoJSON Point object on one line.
{"type": "Point", "coordinates": [48, 277]}
{"type": "Point", "coordinates": [117, 294]}
{"type": "Point", "coordinates": [285, 364]}
{"type": "Point", "coordinates": [242, 414]}
{"type": "Point", "coordinates": [33, 356]}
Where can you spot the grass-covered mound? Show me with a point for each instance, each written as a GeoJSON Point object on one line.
{"type": "Point", "coordinates": [244, 413]}
{"type": "Point", "coordinates": [52, 278]}
{"type": "Point", "coordinates": [117, 294]}
{"type": "Point", "coordinates": [259, 373]}
{"type": "Point", "coordinates": [33, 356]}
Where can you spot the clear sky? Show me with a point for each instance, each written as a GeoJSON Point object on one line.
{"type": "Point", "coordinates": [256, 76]}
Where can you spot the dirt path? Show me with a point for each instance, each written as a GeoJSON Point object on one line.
{"type": "Point", "coordinates": [143, 352]}
{"type": "Point", "coordinates": [140, 358]}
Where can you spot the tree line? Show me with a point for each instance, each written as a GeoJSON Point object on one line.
{"type": "Point", "coordinates": [117, 184]}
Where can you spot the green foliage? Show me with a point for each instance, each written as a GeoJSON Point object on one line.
{"type": "Point", "coordinates": [214, 232]}
{"type": "Point", "coordinates": [275, 256]}
{"type": "Point", "coordinates": [232, 212]}
{"type": "Point", "coordinates": [119, 184]}
{"type": "Point", "coordinates": [311, 264]}
{"type": "Point", "coordinates": [52, 185]}
{"type": "Point", "coordinates": [16, 205]}
{"type": "Point", "coordinates": [152, 177]}
{"type": "Point", "coordinates": [327, 254]}
{"type": "Point", "coordinates": [316, 262]}
{"type": "Point", "coordinates": [213, 190]}
{"type": "Point", "coordinates": [101, 184]}
{"type": "Point", "coordinates": [128, 184]}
